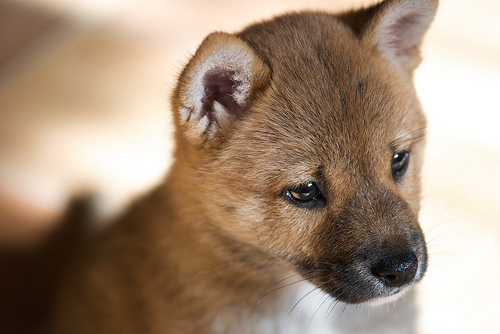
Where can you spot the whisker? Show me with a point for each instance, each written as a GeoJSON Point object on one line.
{"type": "Point", "coordinates": [334, 303]}
{"type": "Point", "coordinates": [436, 221]}
{"type": "Point", "coordinates": [322, 301]}
{"type": "Point", "coordinates": [410, 137]}
{"type": "Point", "coordinates": [343, 310]}
{"type": "Point", "coordinates": [284, 279]}
{"type": "Point", "coordinates": [316, 288]}
{"type": "Point", "coordinates": [330, 309]}
{"type": "Point", "coordinates": [286, 285]}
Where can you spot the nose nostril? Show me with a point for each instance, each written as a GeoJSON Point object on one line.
{"type": "Point", "coordinates": [396, 271]}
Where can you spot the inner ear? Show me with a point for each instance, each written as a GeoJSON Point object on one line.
{"type": "Point", "coordinates": [219, 88]}
{"type": "Point", "coordinates": [404, 35]}
{"type": "Point", "coordinates": [397, 30]}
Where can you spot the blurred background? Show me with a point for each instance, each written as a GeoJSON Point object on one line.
{"type": "Point", "coordinates": [84, 88]}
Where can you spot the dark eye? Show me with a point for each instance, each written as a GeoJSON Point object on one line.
{"type": "Point", "coordinates": [304, 193]}
{"type": "Point", "coordinates": [399, 164]}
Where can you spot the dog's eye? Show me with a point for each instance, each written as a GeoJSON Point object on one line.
{"type": "Point", "coordinates": [304, 193]}
{"type": "Point", "coordinates": [399, 164]}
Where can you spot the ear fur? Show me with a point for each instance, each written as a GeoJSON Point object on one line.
{"type": "Point", "coordinates": [217, 85]}
{"type": "Point", "coordinates": [397, 30]}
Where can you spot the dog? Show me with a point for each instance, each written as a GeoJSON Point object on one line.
{"type": "Point", "coordinates": [292, 202]}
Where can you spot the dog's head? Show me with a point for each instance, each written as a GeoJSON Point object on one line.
{"type": "Point", "coordinates": [303, 138]}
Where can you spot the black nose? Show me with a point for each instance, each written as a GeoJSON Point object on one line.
{"type": "Point", "coordinates": [396, 271]}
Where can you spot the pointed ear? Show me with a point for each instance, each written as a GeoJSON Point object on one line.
{"type": "Point", "coordinates": [397, 29]}
{"type": "Point", "coordinates": [217, 86]}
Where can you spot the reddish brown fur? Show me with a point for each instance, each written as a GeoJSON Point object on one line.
{"type": "Point", "coordinates": [201, 253]}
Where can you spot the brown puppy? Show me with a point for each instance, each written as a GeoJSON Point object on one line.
{"type": "Point", "coordinates": [295, 188]}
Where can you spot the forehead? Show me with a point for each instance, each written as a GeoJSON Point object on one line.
{"type": "Point", "coordinates": [358, 108]}
{"type": "Point", "coordinates": [331, 97]}
{"type": "Point", "coordinates": [322, 73]}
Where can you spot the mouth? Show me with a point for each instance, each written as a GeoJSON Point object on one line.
{"type": "Point", "coordinates": [387, 299]}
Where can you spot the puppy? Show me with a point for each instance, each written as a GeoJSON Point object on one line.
{"type": "Point", "coordinates": [294, 196]}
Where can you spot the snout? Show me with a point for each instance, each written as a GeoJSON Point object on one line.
{"type": "Point", "coordinates": [369, 275]}
{"type": "Point", "coordinates": [372, 250]}
{"type": "Point", "coordinates": [378, 271]}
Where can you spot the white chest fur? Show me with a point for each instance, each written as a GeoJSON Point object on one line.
{"type": "Point", "coordinates": [304, 309]}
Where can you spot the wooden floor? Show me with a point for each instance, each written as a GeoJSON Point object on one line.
{"type": "Point", "coordinates": [83, 107]}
